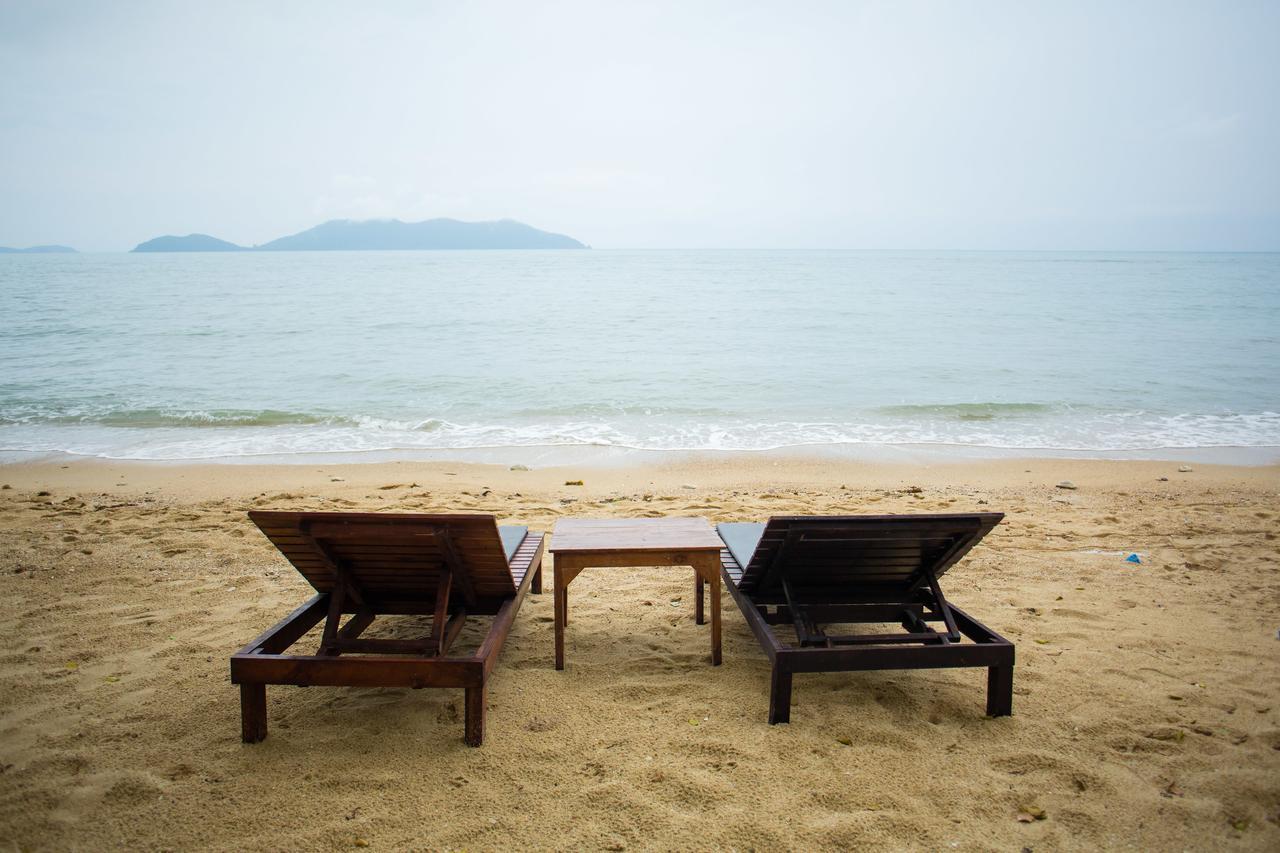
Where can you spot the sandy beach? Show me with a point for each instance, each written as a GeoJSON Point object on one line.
{"type": "Point", "coordinates": [1146, 707]}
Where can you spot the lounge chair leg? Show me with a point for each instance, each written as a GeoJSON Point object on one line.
{"type": "Point", "coordinates": [474, 714]}
{"type": "Point", "coordinates": [780, 697]}
{"type": "Point", "coordinates": [1000, 690]}
{"type": "Point", "coordinates": [253, 712]}
{"type": "Point", "coordinates": [697, 598]}
{"type": "Point", "coordinates": [537, 581]}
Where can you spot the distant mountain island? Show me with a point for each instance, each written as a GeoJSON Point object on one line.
{"type": "Point", "coordinates": [38, 250]}
{"type": "Point", "coordinates": [189, 243]}
{"type": "Point", "coordinates": [382, 234]}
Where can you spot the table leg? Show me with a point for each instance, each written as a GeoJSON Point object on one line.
{"type": "Point", "coordinates": [715, 617]}
{"type": "Point", "coordinates": [709, 574]}
{"type": "Point", "coordinates": [558, 591]}
{"type": "Point", "coordinates": [697, 597]}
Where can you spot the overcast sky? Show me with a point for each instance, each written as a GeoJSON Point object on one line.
{"type": "Point", "coordinates": [788, 124]}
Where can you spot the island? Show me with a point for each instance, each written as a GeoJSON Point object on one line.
{"type": "Point", "coordinates": [189, 243]}
{"type": "Point", "coordinates": [38, 250]}
{"type": "Point", "coordinates": [382, 234]}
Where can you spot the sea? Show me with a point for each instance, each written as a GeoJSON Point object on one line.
{"type": "Point", "coordinates": [536, 355]}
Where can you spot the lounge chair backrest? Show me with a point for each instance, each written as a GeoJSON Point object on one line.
{"type": "Point", "coordinates": [395, 557]}
{"type": "Point", "coordinates": [889, 552]}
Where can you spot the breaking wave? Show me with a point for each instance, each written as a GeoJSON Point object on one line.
{"type": "Point", "coordinates": [159, 434]}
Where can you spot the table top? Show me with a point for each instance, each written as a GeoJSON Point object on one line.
{"type": "Point", "coordinates": [602, 535]}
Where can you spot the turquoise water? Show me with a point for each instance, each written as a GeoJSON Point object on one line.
{"type": "Point", "coordinates": [209, 355]}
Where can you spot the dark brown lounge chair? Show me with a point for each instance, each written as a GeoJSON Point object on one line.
{"type": "Point", "coordinates": [810, 571]}
{"type": "Point", "coordinates": [373, 564]}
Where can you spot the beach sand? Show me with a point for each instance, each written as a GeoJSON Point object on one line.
{"type": "Point", "coordinates": [1146, 706]}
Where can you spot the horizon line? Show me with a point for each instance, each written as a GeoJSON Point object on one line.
{"type": "Point", "coordinates": [23, 250]}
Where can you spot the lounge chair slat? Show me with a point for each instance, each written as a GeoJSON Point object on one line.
{"type": "Point", "coordinates": [864, 536]}
{"type": "Point", "coordinates": [377, 547]}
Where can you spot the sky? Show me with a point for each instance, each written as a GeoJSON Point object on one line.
{"type": "Point", "coordinates": [858, 125]}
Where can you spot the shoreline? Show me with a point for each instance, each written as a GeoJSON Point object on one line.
{"type": "Point", "coordinates": [606, 456]}
{"type": "Point", "coordinates": [698, 473]}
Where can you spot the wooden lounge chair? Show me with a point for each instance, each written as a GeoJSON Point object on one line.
{"type": "Point", "coordinates": [810, 571]}
{"type": "Point", "coordinates": [372, 564]}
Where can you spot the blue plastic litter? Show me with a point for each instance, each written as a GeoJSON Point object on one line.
{"type": "Point", "coordinates": [1132, 558]}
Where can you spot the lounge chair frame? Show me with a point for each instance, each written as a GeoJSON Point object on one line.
{"type": "Point", "coordinates": [389, 663]}
{"type": "Point", "coordinates": [920, 647]}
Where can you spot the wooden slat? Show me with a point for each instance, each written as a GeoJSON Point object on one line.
{"type": "Point", "coordinates": [622, 535]}
{"type": "Point", "coordinates": [373, 551]}
{"type": "Point", "coordinates": [388, 569]}
{"type": "Point", "coordinates": [904, 545]}
{"type": "Point", "coordinates": [356, 671]}
{"type": "Point", "coordinates": [386, 551]}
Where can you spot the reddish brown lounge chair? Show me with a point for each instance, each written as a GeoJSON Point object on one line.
{"type": "Point", "coordinates": [372, 564]}
{"type": "Point", "coordinates": [808, 571]}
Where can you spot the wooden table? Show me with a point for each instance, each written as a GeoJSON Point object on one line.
{"type": "Point", "coordinates": [581, 543]}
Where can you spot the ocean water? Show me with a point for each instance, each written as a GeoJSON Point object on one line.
{"type": "Point", "coordinates": [198, 356]}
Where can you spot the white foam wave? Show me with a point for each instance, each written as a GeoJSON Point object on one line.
{"type": "Point", "coordinates": [1133, 431]}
